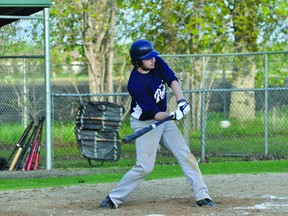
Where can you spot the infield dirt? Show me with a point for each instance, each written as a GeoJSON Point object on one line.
{"type": "Point", "coordinates": [261, 194]}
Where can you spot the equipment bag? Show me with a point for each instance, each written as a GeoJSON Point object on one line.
{"type": "Point", "coordinates": [91, 124]}
{"type": "Point", "coordinates": [99, 145]}
{"type": "Point", "coordinates": [100, 111]}
{"type": "Point", "coordinates": [96, 131]}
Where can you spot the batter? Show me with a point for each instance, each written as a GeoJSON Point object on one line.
{"type": "Point", "coordinates": [147, 88]}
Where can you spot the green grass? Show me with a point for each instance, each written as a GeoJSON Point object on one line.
{"type": "Point", "coordinates": [159, 172]}
{"type": "Point", "coordinates": [246, 139]}
{"type": "Point", "coordinates": [11, 133]}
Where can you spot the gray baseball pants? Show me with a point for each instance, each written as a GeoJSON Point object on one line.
{"type": "Point", "coordinates": [169, 136]}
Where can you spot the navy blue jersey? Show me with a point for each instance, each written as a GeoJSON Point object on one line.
{"type": "Point", "coordinates": [148, 91]}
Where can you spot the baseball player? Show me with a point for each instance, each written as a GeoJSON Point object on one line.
{"type": "Point", "coordinates": [147, 88]}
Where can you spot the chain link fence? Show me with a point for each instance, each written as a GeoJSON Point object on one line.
{"type": "Point", "coordinates": [239, 88]}
{"type": "Point", "coordinates": [248, 90]}
{"type": "Point", "coordinates": [22, 96]}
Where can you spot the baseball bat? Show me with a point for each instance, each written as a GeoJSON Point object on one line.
{"type": "Point", "coordinates": [141, 132]}
{"type": "Point", "coordinates": [26, 150]}
{"type": "Point", "coordinates": [21, 140]}
{"type": "Point", "coordinates": [22, 151]}
{"type": "Point", "coordinates": [37, 157]}
{"type": "Point", "coordinates": [35, 145]}
{"type": "Point", "coordinates": [18, 146]}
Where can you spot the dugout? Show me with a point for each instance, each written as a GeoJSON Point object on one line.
{"type": "Point", "coordinates": [12, 12]}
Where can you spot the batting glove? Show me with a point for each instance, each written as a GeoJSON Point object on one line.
{"type": "Point", "coordinates": [173, 114]}
{"type": "Point", "coordinates": [182, 109]}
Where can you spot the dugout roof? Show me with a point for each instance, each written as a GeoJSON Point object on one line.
{"type": "Point", "coordinates": [21, 8]}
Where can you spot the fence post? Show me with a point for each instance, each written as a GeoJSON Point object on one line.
{"type": "Point", "coordinates": [203, 114]}
{"type": "Point", "coordinates": [266, 105]}
{"type": "Point", "coordinates": [25, 95]}
{"type": "Point", "coordinates": [48, 91]}
{"type": "Point", "coordinates": [184, 78]}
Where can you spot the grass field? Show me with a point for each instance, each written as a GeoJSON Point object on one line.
{"type": "Point", "coordinates": [114, 174]}
{"type": "Point", "coordinates": [230, 144]}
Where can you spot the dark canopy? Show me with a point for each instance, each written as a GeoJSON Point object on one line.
{"type": "Point", "coordinates": [20, 8]}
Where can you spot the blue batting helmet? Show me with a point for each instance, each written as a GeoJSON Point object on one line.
{"type": "Point", "coordinates": [141, 49]}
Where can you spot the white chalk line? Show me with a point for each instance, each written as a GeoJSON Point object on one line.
{"type": "Point", "coordinates": [274, 202]}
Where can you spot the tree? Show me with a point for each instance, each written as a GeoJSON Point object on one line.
{"type": "Point", "coordinates": [252, 21]}
{"type": "Point", "coordinates": [174, 26]}
{"type": "Point", "coordinates": [180, 27]}
{"type": "Point", "coordinates": [88, 24]}
{"type": "Point", "coordinates": [212, 27]}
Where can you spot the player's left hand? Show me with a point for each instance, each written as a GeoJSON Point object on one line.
{"type": "Point", "coordinates": [173, 114]}
{"type": "Point", "coordinates": [182, 109]}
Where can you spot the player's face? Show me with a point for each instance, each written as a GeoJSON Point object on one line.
{"type": "Point", "coordinates": [148, 64]}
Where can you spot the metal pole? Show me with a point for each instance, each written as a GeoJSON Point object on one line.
{"type": "Point", "coordinates": [203, 114]}
{"type": "Point", "coordinates": [20, 17]}
{"type": "Point", "coordinates": [48, 90]}
{"type": "Point", "coordinates": [266, 106]}
{"type": "Point", "coordinates": [25, 96]}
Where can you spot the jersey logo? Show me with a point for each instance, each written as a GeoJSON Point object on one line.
{"type": "Point", "coordinates": [160, 93]}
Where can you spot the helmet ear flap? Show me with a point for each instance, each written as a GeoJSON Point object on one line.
{"type": "Point", "coordinates": [139, 62]}
{"type": "Point", "coordinates": [136, 62]}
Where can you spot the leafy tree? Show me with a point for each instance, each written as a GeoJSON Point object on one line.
{"type": "Point", "coordinates": [182, 26]}
{"type": "Point", "coordinates": [174, 26]}
{"type": "Point", "coordinates": [179, 27]}
{"type": "Point", "coordinates": [252, 21]}
{"type": "Point", "coordinates": [88, 24]}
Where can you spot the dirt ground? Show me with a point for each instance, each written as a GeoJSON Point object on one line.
{"type": "Point", "coordinates": [264, 194]}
